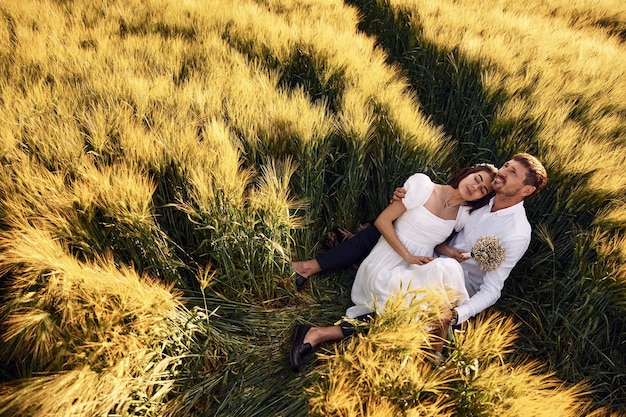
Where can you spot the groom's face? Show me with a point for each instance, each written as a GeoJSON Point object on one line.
{"type": "Point", "coordinates": [510, 180]}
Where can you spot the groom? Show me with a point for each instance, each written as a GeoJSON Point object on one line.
{"type": "Point", "coordinates": [523, 175]}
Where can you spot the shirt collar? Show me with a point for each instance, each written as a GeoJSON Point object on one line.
{"type": "Point", "coordinates": [516, 208]}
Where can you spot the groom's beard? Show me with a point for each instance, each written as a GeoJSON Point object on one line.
{"type": "Point", "coordinates": [503, 191]}
{"type": "Point", "coordinates": [501, 188]}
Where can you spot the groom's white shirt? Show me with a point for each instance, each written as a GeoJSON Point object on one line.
{"type": "Point", "coordinates": [511, 225]}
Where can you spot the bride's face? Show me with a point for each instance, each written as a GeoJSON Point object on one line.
{"type": "Point", "coordinates": [475, 186]}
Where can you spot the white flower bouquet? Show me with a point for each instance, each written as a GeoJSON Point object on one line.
{"type": "Point", "coordinates": [488, 253]}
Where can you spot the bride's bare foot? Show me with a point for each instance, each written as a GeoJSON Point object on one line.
{"type": "Point", "coordinates": [306, 268]}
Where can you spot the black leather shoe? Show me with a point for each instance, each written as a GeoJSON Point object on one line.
{"type": "Point", "coordinates": [300, 281]}
{"type": "Point", "coordinates": [299, 349]}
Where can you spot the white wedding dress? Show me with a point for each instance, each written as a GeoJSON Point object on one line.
{"type": "Point", "coordinates": [384, 273]}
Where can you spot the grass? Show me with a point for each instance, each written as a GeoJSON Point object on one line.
{"type": "Point", "coordinates": [390, 372]}
{"type": "Point", "coordinates": [163, 162]}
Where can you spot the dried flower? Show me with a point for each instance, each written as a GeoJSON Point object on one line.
{"type": "Point", "coordinates": [488, 253]}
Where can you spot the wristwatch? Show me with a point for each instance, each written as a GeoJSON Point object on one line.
{"type": "Point", "coordinates": [455, 317]}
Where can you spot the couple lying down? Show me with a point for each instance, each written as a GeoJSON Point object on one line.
{"type": "Point", "coordinates": [399, 249]}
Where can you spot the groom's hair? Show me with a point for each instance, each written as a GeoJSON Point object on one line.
{"type": "Point", "coordinates": [536, 175]}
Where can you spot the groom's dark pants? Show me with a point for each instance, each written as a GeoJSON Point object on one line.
{"type": "Point", "coordinates": [350, 251]}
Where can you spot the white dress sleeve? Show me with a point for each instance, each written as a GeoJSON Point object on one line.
{"type": "Point", "coordinates": [461, 217]}
{"type": "Point", "coordinates": [418, 188]}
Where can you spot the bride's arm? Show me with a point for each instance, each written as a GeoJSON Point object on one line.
{"type": "Point", "coordinates": [384, 224]}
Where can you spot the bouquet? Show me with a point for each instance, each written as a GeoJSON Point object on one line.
{"type": "Point", "coordinates": [488, 253]}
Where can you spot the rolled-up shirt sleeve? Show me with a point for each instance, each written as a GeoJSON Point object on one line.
{"type": "Point", "coordinates": [487, 293]}
{"type": "Point", "coordinates": [513, 229]}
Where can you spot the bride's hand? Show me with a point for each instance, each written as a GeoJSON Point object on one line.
{"type": "Point", "coordinates": [419, 260]}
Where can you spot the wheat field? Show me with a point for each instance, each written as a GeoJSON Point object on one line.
{"type": "Point", "coordinates": [163, 162]}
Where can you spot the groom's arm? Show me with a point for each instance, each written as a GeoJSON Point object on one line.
{"type": "Point", "coordinates": [450, 252]}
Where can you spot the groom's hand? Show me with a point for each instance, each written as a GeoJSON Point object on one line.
{"type": "Point", "coordinates": [398, 194]}
{"type": "Point", "coordinates": [454, 253]}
